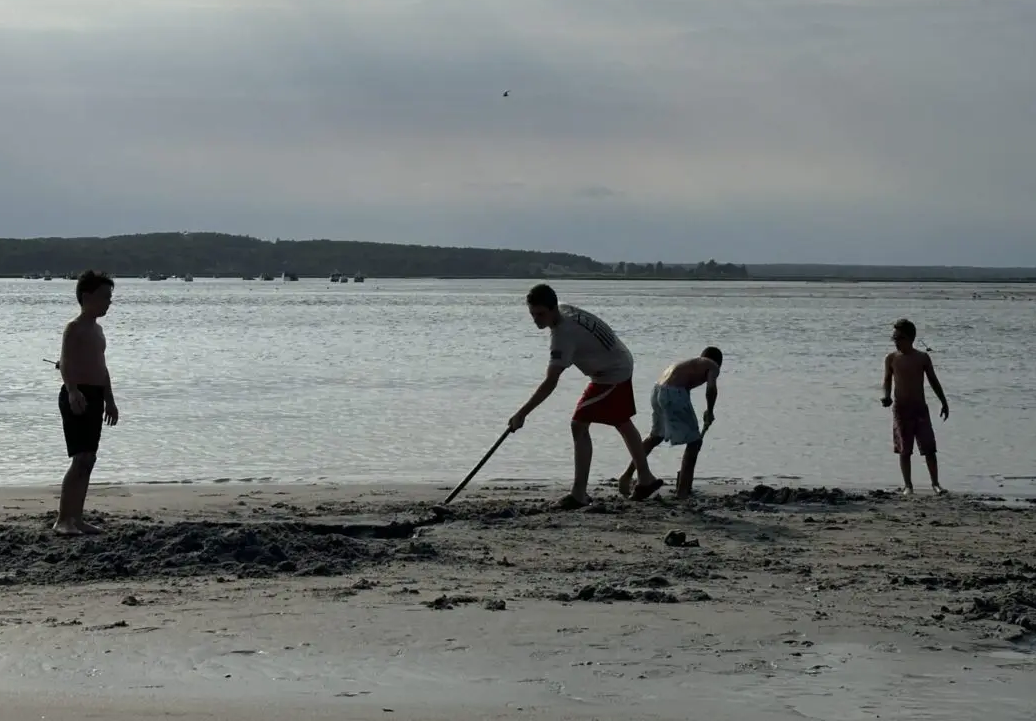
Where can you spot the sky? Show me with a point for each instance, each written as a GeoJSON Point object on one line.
{"type": "Point", "coordinates": [834, 131]}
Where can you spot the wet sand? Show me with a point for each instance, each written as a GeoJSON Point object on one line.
{"type": "Point", "coordinates": [313, 602]}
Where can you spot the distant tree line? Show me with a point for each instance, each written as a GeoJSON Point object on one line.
{"type": "Point", "coordinates": [223, 255]}
{"type": "Point", "coordinates": [710, 270]}
{"type": "Point", "coordinates": [916, 273]}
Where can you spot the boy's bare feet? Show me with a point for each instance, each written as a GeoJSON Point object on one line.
{"type": "Point", "coordinates": [642, 491]}
{"type": "Point", "coordinates": [683, 491]}
{"type": "Point", "coordinates": [625, 486]}
{"type": "Point", "coordinates": [908, 491]}
{"type": "Point", "coordinates": [88, 528]}
{"type": "Point", "coordinates": [66, 528]}
{"type": "Point", "coordinates": [573, 502]}
{"type": "Point", "coordinates": [938, 490]}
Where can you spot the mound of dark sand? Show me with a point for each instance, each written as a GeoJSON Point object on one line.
{"type": "Point", "coordinates": [653, 589]}
{"type": "Point", "coordinates": [489, 512]}
{"type": "Point", "coordinates": [1016, 606]}
{"type": "Point", "coordinates": [784, 495]}
{"type": "Point", "coordinates": [493, 510]}
{"type": "Point", "coordinates": [254, 550]}
{"type": "Point", "coordinates": [448, 603]}
{"type": "Point", "coordinates": [962, 582]}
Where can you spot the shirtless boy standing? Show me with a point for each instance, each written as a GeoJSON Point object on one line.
{"type": "Point", "coordinates": [673, 418]}
{"type": "Point", "coordinates": [85, 401]}
{"type": "Point", "coordinates": [580, 338]}
{"type": "Point", "coordinates": [911, 422]}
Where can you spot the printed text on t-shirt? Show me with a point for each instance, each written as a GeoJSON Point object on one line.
{"type": "Point", "coordinates": [596, 328]}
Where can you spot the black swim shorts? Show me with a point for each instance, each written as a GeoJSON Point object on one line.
{"type": "Point", "coordinates": [82, 431]}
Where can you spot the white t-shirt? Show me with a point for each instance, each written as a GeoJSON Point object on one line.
{"type": "Point", "coordinates": [585, 341]}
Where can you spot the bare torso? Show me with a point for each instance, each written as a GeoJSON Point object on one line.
{"type": "Point", "coordinates": [689, 373]}
{"type": "Point", "coordinates": [908, 372]}
{"type": "Point", "coordinates": [82, 354]}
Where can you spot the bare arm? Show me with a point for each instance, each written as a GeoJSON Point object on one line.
{"type": "Point", "coordinates": [711, 389]}
{"type": "Point", "coordinates": [109, 394]}
{"type": "Point", "coordinates": [711, 393]}
{"type": "Point", "coordinates": [933, 381]}
{"type": "Point", "coordinates": [543, 390]}
{"type": "Point", "coordinates": [887, 383]}
{"type": "Point", "coordinates": [561, 352]}
{"type": "Point", "coordinates": [69, 342]}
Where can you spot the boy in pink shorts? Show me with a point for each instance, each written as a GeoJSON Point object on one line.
{"type": "Point", "coordinates": [911, 421]}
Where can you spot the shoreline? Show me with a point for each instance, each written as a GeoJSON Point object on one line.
{"type": "Point", "coordinates": [1007, 280]}
{"type": "Point", "coordinates": [216, 601]}
{"type": "Point", "coordinates": [430, 490]}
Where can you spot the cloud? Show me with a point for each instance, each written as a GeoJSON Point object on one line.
{"type": "Point", "coordinates": [596, 192]}
{"type": "Point", "coordinates": [866, 130]}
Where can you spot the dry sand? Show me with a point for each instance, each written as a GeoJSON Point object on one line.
{"type": "Point", "coordinates": [270, 602]}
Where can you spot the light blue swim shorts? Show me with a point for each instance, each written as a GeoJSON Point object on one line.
{"type": "Point", "coordinates": [672, 416]}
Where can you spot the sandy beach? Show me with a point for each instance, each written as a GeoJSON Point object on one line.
{"type": "Point", "coordinates": [246, 601]}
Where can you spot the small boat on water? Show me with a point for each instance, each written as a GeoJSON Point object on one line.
{"type": "Point", "coordinates": [336, 277]}
{"type": "Point", "coordinates": [359, 278]}
{"type": "Point", "coordinates": [47, 275]}
{"type": "Point", "coordinates": [285, 276]}
{"type": "Point", "coordinates": [265, 276]}
{"type": "Point", "coordinates": [151, 275]}
{"type": "Point", "coordinates": [248, 277]}
{"type": "Point", "coordinates": [188, 278]}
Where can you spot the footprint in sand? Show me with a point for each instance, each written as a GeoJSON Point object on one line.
{"type": "Point", "coordinates": [817, 670]}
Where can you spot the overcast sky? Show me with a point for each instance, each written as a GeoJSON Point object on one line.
{"type": "Point", "coordinates": [867, 131]}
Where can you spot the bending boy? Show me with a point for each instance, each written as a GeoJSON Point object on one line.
{"type": "Point", "coordinates": [580, 338]}
{"type": "Point", "coordinates": [673, 418]}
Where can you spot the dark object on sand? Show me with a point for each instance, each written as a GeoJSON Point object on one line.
{"type": "Point", "coordinates": [460, 486]}
{"type": "Point", "coordinates": [675, 538]}
{"type": "Point", "coordinates": [678, 539]}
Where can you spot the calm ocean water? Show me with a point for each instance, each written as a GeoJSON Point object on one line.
{"type": "Point", "coordinates": [403, 380]}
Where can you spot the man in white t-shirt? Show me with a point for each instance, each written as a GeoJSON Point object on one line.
{"type": "Point", "coordinates": [580, 338]}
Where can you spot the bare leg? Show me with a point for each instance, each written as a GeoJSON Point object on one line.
{"type": "Point", "coordinates": [933, 471]}
{"type": "Point", "coordinates": [646, 481]}
{"type": "Point", "coordinates": [686, 478]}
{"type": "Point", "coordinates": [88, 466]}
{"type": "Point", "coordinates": [65, 524]}
{"type": "Point", "coordinates": [73, 497]}
{"type": "Point", "coordinates": [584, 453]}
{"type": "Point", "coordinates": [649, 444]}
{"type": "Point", "coordinates": [904, 466]}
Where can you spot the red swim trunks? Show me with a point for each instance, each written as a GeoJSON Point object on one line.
{"type": "Point", "coordinates": [912, 424]}
{"type": "Point", "coordinates": [611, 405]}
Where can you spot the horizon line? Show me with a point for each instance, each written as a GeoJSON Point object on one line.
{"type": "Point", "coordinates": [276, 239]}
